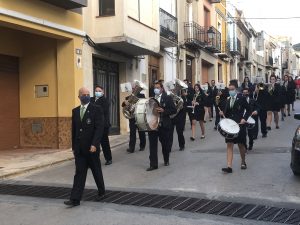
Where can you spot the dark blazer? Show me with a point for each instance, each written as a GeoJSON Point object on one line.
{"type": "Point", "coordinates": [104, 104]}
{"type": "Point", "coordinates": [166, 102]}
{"type": "Point", "coordinates": [240, 110]}
{"type": "Point", "coordinates": [88, 131]}
{"type": "Point", "coordinates": [253, 105]}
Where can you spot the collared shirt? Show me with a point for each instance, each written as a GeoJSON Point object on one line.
{"type": "Point", "coordinates": [158, 97]}
{"type": "Point", "coordinates": [232, 100]}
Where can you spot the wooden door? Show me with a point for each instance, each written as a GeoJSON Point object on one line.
{"type": "Point", "coordinates": [9, 108]}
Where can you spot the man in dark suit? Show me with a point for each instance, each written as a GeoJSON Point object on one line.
{"type": "Point", "coordinates": [254, 114]}
{"type": "Point", "coordinates": [237, 109]}
{"type": "Point", "coordinates": [261, 97]}
{"type": "Point", "coordinates": [214, 90]}
{"type": "Point", "coordinates": [133, 128]}
{"type": "Point", "coordinates": [166, 109]}
{"type": "Point", "coordinates": [87, 130]}
{"type": "Point", "coordinates": [101, 101]}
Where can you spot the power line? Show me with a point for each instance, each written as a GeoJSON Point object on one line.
{"type": "Point", "coordinates": [267, 18]}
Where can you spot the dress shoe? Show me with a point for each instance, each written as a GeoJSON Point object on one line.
{"type": "Point", "coordinates": [192, 138]}
{"type": "Point", "coordinates": [227, 170]}
{"type": "Point", "coordinates": [250, 148]}
{"type": "Point", "coordinates": [289, 114]}
{"type": "Point", "coordinates": [100, 197]}
{"type": "Point", "coordinates": [72, 203]}
{"type": "Point", "coordinates": [264, 135]}
{"type": "Point", "coordinates": [244, 166]}
{"type": "Point", "coordinates": [130, 150]}
{"type": "Point", "coordinates": [142, 149]}
{"type": "Point", "coordinates": [215, 127]}
{"type": "Point", "coordinates": [152, 168]}
{"type": "Point", "coordinates": [277, 127]}
{"type": "Point", "coordinates": [109, 162]}
{"type": "Point", "coordinates": [167, 163]}
{"type": "Point", "coordinates": [268, 128]}
{"type": "Point", "coordinates": [254, 138]}
{"type": "Point", "coordinates": [181, 149]}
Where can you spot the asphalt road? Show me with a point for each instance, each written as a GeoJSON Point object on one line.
{"type": "Point", "coordinates": [194, 172]}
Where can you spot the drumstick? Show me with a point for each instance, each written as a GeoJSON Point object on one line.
{"type": "Point", "coordinates": [221, 111]}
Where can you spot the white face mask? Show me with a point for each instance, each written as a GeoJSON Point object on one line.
{"type": "Point", "coordinates": [98, 94]}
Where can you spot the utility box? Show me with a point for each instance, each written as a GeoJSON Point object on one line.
{"type": "Point", "coordinates": [41, 91]}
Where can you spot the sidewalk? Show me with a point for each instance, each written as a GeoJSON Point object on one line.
{"type": "Point", "coordinates": [17, 161]}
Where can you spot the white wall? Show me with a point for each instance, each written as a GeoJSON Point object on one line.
{"type": "Point", "coordinates": [169, 6]}
{"type": "Point", "coordinates": [170, 70]}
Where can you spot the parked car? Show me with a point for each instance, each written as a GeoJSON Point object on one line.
{"type": "Point", "coordinates": [295, 153]}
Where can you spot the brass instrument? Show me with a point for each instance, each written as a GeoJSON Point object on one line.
{"type": "Point", "coordinates": [217, 100]}
{"type": "Point", "coordinates": [128, 110]}
{"type": "Point", "coordinates": [176, 87]}
{"type": "Point", "coordinates": [194, 100]}
{"type": "Point", "coordinates": [261, 86]}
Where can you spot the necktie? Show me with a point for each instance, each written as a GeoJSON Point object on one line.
{"type": "Point", "coordinates": [232, 102]}
{"type": "Point", "coordinates": [82, 111]}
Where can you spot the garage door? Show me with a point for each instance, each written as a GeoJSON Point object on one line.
{"type": "Point", "coordinates": [9, 107]}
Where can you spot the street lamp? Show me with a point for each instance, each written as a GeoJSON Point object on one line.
{"type": "Point", "coordinates": [211, 33]}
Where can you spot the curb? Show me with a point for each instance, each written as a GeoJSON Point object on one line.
{"type": "Point", "coordinates": [13, 174]}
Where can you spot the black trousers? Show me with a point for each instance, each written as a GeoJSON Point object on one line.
{"type": "Point", "coordinates": [82, 163]}
{"type": "Point", "coordinates": [179, 123]}
{"type": "Point", "coordinates": [263, 121]}
{"type": "Point", "coordinates": [163, 135]}
{"type": "Point", "coordinates": [218, 117]}
{"type": "Point", "coordinates": [132, 140]}
{"type": "Point", "coordinates": [105, 145]}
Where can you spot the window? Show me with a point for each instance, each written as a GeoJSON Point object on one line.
{"type": "Point", "coordinates": [141, 10]}
{"type": "Point", "coordinates": [106, 7]}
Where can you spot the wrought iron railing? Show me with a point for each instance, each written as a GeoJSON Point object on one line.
{"type": "Point", "coordinates": [245, 53]}
{"type": "Point", "coordinates": [194, 34]}
{"type": "Point", "coordinates": [235, 45]}
{"type": "Point", "coordinates": [168, 26]}
{"type": "Point", "coordinates": [225, 47]}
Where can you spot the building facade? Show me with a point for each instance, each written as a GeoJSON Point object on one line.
{"type": "Point", "coordinates": [40, 71]}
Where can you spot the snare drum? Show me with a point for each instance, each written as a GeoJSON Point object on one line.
{"type": "Point", "coordinates": [146, 116]}
{"type": "Point", "coordinates": [228, 128]}
{"type": "Point", "coordinates": [250, 123]}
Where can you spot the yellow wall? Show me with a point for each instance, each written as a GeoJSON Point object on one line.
{"type": "Point", "coordinates": [45, 11]}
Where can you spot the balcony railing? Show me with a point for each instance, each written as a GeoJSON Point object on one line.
{"type": "Point", "coordinates": [269, 62]}
{"type": "Point", "coordinates": [225, 53]}
{"type": "Point", "coordinates": [194, 35]}
{"type": "Point", "coordinates": [244, 53]}
{"type": "Point", "coordinates": [235, 46]}
{"type": "Point", "coordinates": [213, 44]}
{"type": "Point", "coordinates": [168, 26]}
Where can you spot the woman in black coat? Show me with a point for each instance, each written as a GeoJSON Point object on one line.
{"type": "Point", "coordinates": [198, 111]}
{"type": "Point", "coordinates": [274, 102]}
{"type": "Point", "coordinates": [208, 101]}
{"type": "Point", "coordinates": [292, 91]}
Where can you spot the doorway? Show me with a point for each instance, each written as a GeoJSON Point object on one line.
{"type": "Point", "coordinates": [106, 74]}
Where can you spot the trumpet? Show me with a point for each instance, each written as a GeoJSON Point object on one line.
{"type": "Point", "coordinates": [261, 86]}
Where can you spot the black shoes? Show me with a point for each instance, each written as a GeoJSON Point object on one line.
{"type": "Point", "coordinates": [192, 138]}
{"type": "Point", "coordinates": [254, 138]}
{"type": "Point", "coordinates": [72, 203]}
{"type": "Point", "coordinates": [142, 149]}
{"type": "Point", "coordinates": [244, 166]}
{"type": "Point", "coordinates": [215, 128]}
{"type": "Point", "coordinates": [109, 162]}
{"type": "Point", "coordinates": [167, 163]}
{"type": "Point", "coordinates": [227, 170]}
{"type": "Point", "coordinates": [268, 128]}
{"type": "Point", "coordinates": [181, 149]}
{"type": "Point", "coordinates": [264, 135]}
{"type": "Point", "coordinates": [250, 148]}
{"type": "Point", "coordinates": [152, 168]}
{"type": "Point", "coordinates": [277, 127]}
{"type": "Point", "coordinates": [130, 150]}
{"type": "Point", "coordinates": [99, 198]}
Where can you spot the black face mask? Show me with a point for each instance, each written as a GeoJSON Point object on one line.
{"type": "Point", "coordinates": [85, 99]}
{"type": "Point", "coordinates": [246, 95]}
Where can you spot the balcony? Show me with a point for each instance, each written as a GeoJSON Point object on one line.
{"type": "Point", "coordinates": [67, 4]}
{"type": "Point", "coordinates": [168, 29]}
{"type": "Point", "coordinates": [269, 62]}
{"type": "Point", "coordinates": [194, 35]}
{"type": "Point", "coordinates": [235, 46]}
{"type": "Point", "coordinates": [244, 53]}
{"type": "Point", "coordinates": [225, 53]}
{"type": "Point", "coordinates": [213, 43]}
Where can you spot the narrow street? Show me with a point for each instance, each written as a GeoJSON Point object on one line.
{"type": "Point", "coordinates": [195, 172]}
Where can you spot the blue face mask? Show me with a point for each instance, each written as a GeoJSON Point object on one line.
{"type": "Point", "coordinates": [85, 99]}
{"type": "Point", "coordinates": [232, 93]}
{"type": "Point", "coordinates": [156, 91]}
{"type": "Point", "coordinates": [98, 94]}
